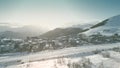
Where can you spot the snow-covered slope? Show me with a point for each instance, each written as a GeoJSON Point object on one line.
{"type": "Point", "coordinates": [92, 61]}
{"type": "Point", "coordinates": [45, 55]}
{"type": "Point", "coordinates": [109, 26]}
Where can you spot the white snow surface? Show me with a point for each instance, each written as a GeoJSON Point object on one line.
{"type": "Point", "coordinates": [111, 27]}
{"type": "Point", "coordinates": [48, 58]}
{"type": "Point", "coordinates": [96, 61]}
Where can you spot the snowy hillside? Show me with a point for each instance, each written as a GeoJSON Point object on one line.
{"type": "Point", "coordinates": [73, 52]}
{"type": "Point", "coordinates": [109, 26]}
{"type": "Point", "coordinates": [89, 52]}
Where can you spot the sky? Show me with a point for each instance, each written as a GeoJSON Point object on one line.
{"type": "Point", "coordinates": [56, 13]}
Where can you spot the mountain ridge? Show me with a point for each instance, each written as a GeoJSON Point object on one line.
{"type": "Point", "coordinates": [108, 26]}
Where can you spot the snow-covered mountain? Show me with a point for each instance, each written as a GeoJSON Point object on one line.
{"type": "Point", "coordinates": [109, 26]}
{"type": "Point", "coordinates": [61, 32]}
{"type": "Point", "coordinates": [20, 32]}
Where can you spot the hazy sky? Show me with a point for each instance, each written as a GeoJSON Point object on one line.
{"type": "Point", "coordinates": [56, 13]}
